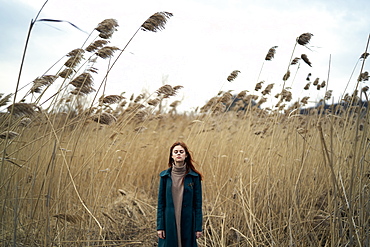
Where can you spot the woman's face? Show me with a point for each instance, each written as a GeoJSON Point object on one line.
{"type": "Point", "coordinates": [178, 154]}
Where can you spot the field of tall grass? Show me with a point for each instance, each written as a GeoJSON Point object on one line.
{"type": "Point", "coordinates": [85, 173]}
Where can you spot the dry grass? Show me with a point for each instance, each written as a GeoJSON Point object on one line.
{"type": "Point", "coordinates": [272, 180]}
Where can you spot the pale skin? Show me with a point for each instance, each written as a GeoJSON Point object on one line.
{"type": "Point", "coordinates": [179, 156]}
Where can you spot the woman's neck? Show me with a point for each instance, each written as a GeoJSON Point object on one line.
{"type": "Point", "coordinates": [179, 164]}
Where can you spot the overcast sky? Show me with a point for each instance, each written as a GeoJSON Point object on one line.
{"type": "Point", "coordinates": [202, 44]}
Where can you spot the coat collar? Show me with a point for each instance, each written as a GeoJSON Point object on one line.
{"type": "Point", "coordinates": [168, 173]}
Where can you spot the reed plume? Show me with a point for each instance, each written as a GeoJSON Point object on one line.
{"type": "Point", "coordinates": [363, 76]}
{"type": "Point", "coordinates": [66, 73]}
{"type": "Point", "coordinates": [42, 81]}
{"type": "Point", "coordinates": [75, 57]}
{"type": "Point", "coordinates": [106, 52]}
{"type": "Point", "coordinates": [104, 118]}
{"type": "Point", "coordinates": [233, 75]}
{"type": "Point", "coordinates": [175, 103]}
{"type": "Point", "coordinates": [84, 79]}
{"type": "Point", "coordinates": [96, 45]}
{"type": "Point", "coordinates": [286, 76]}
{"type": "Point", "coordinates": [106, 28]}
{"type": "Point", "coordinates": [316, 82]}
{"type": "Point", "coordinates": [304, 100]}
{"type": "Point", "coordinates": [328, 94]}
{"type": "Point", "coordinates": [295, 61]}
{"type": "Point", "coordinates": [156, 22]}
{"type": "Point", "coordinates": [267, 89]}
{"type": "Point", "coordinates": [4, 100]}
{"type": "Point", "coordinates": [167, 91]}
{"type": "Point", "coordinates": [271, 53]}
{"type": "Point", "coordinates": [304, 38]}
{"type": "Point", "coordinates": [323, 84]}
{"type": "Point", "coordinates": [153, 102]}
{"type": "Point", "coordinates": [308, 77]}
{"type": "Point", "coordinates": [306, 60]}
{"type": "Point", "coordinates": [23, 109]}
{"type": "Point", "coordinates": [258, 85]}
{"type": "Point", "coordinates": [111, 99]}
{"type": "Point", "coordinates": [307, 86]}
{"type": "Point", "coordinates": [364, 55]}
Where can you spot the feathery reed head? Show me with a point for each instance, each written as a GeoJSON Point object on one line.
{"type": "Point", "coordinates": [286, 76]}
{"type": "Point", "coordinates": [75, 52]}
{"type": "Point", "coordinates": [66, 73]}
{"type": "Point", "coordinates": [316, 82]}
{"type": "Point", "coordinates": [23, 109]}
{"type": "Point", "coordinates": [271, 53]}
{"type": "Point", "coordinates": [154, 102]}
{"type": "Point", "coordinates": [175, 104]}
{"type": "Point", "coordinates": [226, 98]}
{"type": "Point", "coordinates": [85, 79]}
{"type": "Point", "coordinates": [306, 60]}
{"type": "Point", "coordinates": [364, 55]}
{"type": "Point", "coordinates": [323, 84]}
{"type": "Point", "coordinates": [106, 52]}
{"type": "Point", "coordinates": [267, 89]}
{"type": "Point", "coordinates": [156, 22]}
{"type": "Point", "coordinates": [83, 84]}
{"type": "Point", "coordinates": [75, 57]}
{"type": "Point", "coordinates": [363, 76]}
{"type": "Point", "coordinates": [295, 61]}
{"type": "Point", "coordinates": [242, 94]}
{"type": "Point", "coordinates": [304, 38]}
{"type": "Point", "coordinates": [307, 86]}
{"type": "Point", "coordinates": [42, 81]}
{"type": "Point", "coordinates": [258, 85]}
{"type": "Point", "coordinates": [328, 94]}
{"type": "Point", "coordinates": [104, 118]}
{"type": "Point", "coordinates": [111, 99]}
{"type": "Point", "coordinates": [304, 100]}
{"type": "Point", "coordinates": [106, 28]}
{"type": "Point", "coordinates": [308, 77]}
{"type": "Point", "coordinates": [96, 45]}
{"type": "Point", "coordinates": [4, 100]}
{"type": "Point", "coordinates": [167, 91]}
{"type": "Point", "coordinates": [233, 75]}
{"type": "Point", "coordinates": [82, 90]}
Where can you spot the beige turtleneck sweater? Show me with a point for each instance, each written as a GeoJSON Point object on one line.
{"type": "Point", "coordinates": [177, 174]}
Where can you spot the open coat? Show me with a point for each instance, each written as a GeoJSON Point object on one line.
{"type": "Point", "coordinates": [191, 213]}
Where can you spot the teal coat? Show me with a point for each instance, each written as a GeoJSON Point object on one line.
{"type": "Point", "coordinates": [191, 213]}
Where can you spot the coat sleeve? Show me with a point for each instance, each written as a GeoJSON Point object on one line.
{"type": "Point", "coordinates": [198, 204]}
{"type": "Point", "coordinates": [161, 204]}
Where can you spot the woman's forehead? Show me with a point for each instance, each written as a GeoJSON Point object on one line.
{"type": "Point", "coordinates": [178, 147]}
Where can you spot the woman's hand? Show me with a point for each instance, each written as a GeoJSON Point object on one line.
{"type": "Point", "coordinates": [161, 234]}
{"type": "Point", "coordinates": [198, 234]}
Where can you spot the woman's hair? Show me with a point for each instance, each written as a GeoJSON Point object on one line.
{"type": "Point", "coordinates": [188, 160]}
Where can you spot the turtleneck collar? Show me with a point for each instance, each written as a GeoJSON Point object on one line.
{"type": "Point", "coordinates": [179, 170]}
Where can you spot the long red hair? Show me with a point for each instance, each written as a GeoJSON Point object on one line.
{"type": "Point", "coordinates": [188, 160]}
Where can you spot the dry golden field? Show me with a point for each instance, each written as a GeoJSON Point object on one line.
{"type": "Point", "coordinates": [86, 174]}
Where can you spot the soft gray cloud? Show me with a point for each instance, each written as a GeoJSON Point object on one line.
{"type": "Point", "coordinates": [202, 43]}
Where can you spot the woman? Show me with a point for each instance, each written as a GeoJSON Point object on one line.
{"type": "Point", "coordinates": [179, 213]}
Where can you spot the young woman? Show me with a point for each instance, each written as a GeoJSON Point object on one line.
{"type": "Point", "coordinates": [179, 213]}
